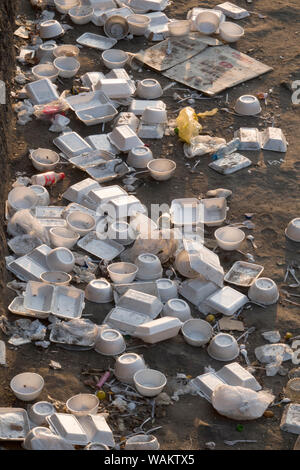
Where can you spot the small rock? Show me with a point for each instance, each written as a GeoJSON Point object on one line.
{"type": "Point", "coordinates": [268, 414]}
{"type": "Point", "coordinates": [55, 365]}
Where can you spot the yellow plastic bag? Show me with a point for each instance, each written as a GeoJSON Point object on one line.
{"type": "Point", "coordinates": [187, 124]}
{"type": "Point", "coordinates": [212, 112]}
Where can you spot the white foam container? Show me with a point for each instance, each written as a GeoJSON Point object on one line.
{"type": "Point", "coordinates": [68, 302]}
{"type": "Point", "coordinates": [27, 386]}
{"type": "Point", "coordinates": [186, 211]}
{"type": "Point", "coordinates": [227, 301]}
{"type": "Point", "coordinates": [197, 290]}
{"type": "Point", "coordinates": [103, 249]}
{"type": "Point", "coordinates": [31, 266]}
{"type": "Point", "coordinates": [124, 138]}
{"type": "Point", "coordinates": [97, 429]}
{"type": "Point", "coordinates": [19, 434]}
{"type": "Point", "coordinates": [39, 411]}
{"type": "Point", "coordinates": [235, 374]}
{"type": "Point", "coordinates": [137, 107]}
{"type": "Point", "coordinates": [68, 427]}
{"type": "Point", "coordinates": [82, 404]}
{"type": "Point", "coordinates": [215, 210]}
{"type": "Point", "coordinates": [71, 144]}
{"type": "Point", "coordinates": [114, 87]}
{"type": "Point", "coordinates": [149, 382]}
{"type": "Point", "coordinates": [125, 320]}
{"type": "Point", "coordinates": [141, 302]}
{"type": "Point", "coordinates": [158, 330]}
{"type": "Point", "coordinates": [96, 41]}
{"type": "Point", "coordinates": [38, 297]}
{"type": "Point", "coordinates": [78, 191]}
{"type": "Point", "coordinates": [41, 91]}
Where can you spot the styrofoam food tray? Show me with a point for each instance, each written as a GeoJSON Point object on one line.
{"type": "Point", "coordinates": [148, 287]}
{"type": "Point", "coordinates": [243, 274]}
{"type": "Point", "coordinates": [103, 249]}
{"type": "Point", "coordinates": [227, 300]}
{"type": "Point", "coordinates": [115, 87]}
{"type": "Point", "coordinates": [185, 211]}
{"type": "Point", "coordinates": [138, 106]}
{"type": "Point", "coordinates": [108, 171]}
{"type": "Point", "coordinates": [78, 191]}
{"type": "Point", "coordinates": [96, 41]}
{"type": "Point", "coordinates": [206, 383]}
{"type": "Point", "coordinates": [68, 302]}
{"type": "Point", "coordinates": [48, 223]}
{"type": "Point", "coordinates": [94, 158]}
{"type": "Point", "coordinates": [87, 100]}
{"type": "Point", "coordinates": [42, 91]}
{"type": "Point", "coordinates": [157, 330]}
{"type": "Point", "coordinates": [125, 320]}
{"type": "Point", "coordinates": [97, 429]}
{"type": "Point", "coordinates": [101, 142]}
{"type": "Point", "coordinates": [67, 426]}
{"type": "Point", "coordinates": [15, 416]}
{"type": "Point", "coordinates": [17, 307]}
{"type": "Point", "coordinates": [46, 212]}
{"type": "Point", "coordinates": [230, 164]}
{"type": "Point", "coordinates": [141, 302]}
{"type": "Point", "coordinates": [98, 114]}
{"type": "Point", "coordinates": [38, 297]}
{"type": "Point", "coordinates": [30, 267]}
{"type": "Point", "coordinates": [71, 144]}
{"type": "Point", "coordinates": [214, 211]}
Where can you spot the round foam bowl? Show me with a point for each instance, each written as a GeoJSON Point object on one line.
{"type": "Point", "coordinates": [183, 266]}
{"type": "Point", "coordinates": [57, 278]}
{"type": "Point", "coordinates": [39, 411]}
{"type": "Point", "coordinates": [96, 446]}
{"type": "Point", "coordinates": [149, 89]}
{"type": "Point", "coordinates": [45, 71]}
{"type": "Point", "coordinates": [46, 51]}
{"type": "Point", "coordinates": [293, 230]}
{"type": "Point", "coordinates": [116, 27]}
{"type": "Point", "coordinates": [63, 6]}
{"type": "Point", "coordinates": [263, 291]}
{"type": "Point", "coordinates": [110, 343]}
{"type": "Point", "coordinates": [35, 432]}
{"type": "Point", "coordinates": [223, 347]}
{"type": "Point", "coordinates": [99, 291]}
{"type": "Point", "coordinates": [138, 24]}
{"type": "Point", "coordinates": [196, 332]}
{"type": "Point", "coordinates": [229, 238]}
{"type": "Point", "coordinates": [207, 22]}
{"type": "Point", "coordinates": [161, 169]}
{"type": "Point", "coordinates": [22, 197]}
{"type": "Point", "coordinates": [179, 28]}
{"type": "Point", "coordinates": [44, 159]}
{"type": "Point", "coordinates": [63, 237]}
{"type": "Point", "coordinates": [153, 115]}
{"type": "Point", "coordinates": [81, 14]}
{"type": "Point", "coordinates": [61, 259]}
{"type": "Point", "coordinates": [231, 32]}
{"type": "Point", "coordinates": [42, 195]}
{"type": "Point", "coordinates": [127, 365]}
{"type": "Point", "coordinates": [149, 267]}
{"type": "Point", "coordinates": [27, 386]}
{"type": "Point", "coordinates": [139, 157]}
{"type": "Point", "coordinates": [177, 308]}
{"type": "Point", "coordinates": [67, 66]}
{"type": "Point", "coordinates": [121, 232]}
{"type": "Point", "coordinates": [114, 58]}
{"type": "Point", "coordinates": [83, 404]}
{"type": "Point", "coordinates": [50, 29]}
{"type": "Point", "coordinates": [149, 382]}
{"type": "Point", "coordinates": [66, 50]}
{"type": "Point", "coordinates": [142, 442]}
{"type": "Point", "coordinates": [122, 273]}
{"type": "Point", "coordinates": [167, 289]}
{"type": "Point", "coordinates": [247, 105]}
{"type": "Point", "coordinates": [80, 222]}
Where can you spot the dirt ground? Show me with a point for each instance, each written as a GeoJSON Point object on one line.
{"type": "Point", "coordinates": [271, 192]}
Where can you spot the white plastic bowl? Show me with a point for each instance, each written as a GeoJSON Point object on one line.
{"type": "Point", "coordinates": [247, 105]}
{"type": "Point", "coordinates": [110, 343]}
{"type": "Point", "coordinates": [83, 404]}
{"type": "Point", "coordinates": [44, 159]}
{"type": "Point", "coordinates": [81, 14]}
{"type": "Point", "coordinates": [152, 115]}
{"type": "Point", "coordinates": [196, 332]}
{"type": "Point", "coordinates": [223, 347]}
{"type": "Point", "coordinates": [122, 273]}
{"type": "Point", "coordinates": [149, 382]}
{"type": "Point", "coordinates": [61, 259]}
{"type": "Point", "coordinates": [161, 169]}
{"type": "Point", "coordinates": [81, 222]}
{"type": "Point", "coordinates": [149, 267]}
{"type": "Point", "coordinates": [63, 6]}
{"type": "Point", "coordinates": [22, 197]}
{"type": "Point", "coordinates": [50, 29]}
{"type": "Point", "coordinates": [66, 50]}
{"type": "Point", "coordinates": [139, 157]}
{"type": "Point", "coordinates": [293, 230]}
{"type": "Point", "coordinates": [229, 238]}
{"type": "Point", "coordinates": [167, 289]}
{"type": "Point", "coordinates": [138, 24]}
{"type": "Point", "coordinates": [39, 411]}
{"type": "Point", "coordinates": [114, 58]}
{"type": "Point", "coordinates": [207, 22]}
{"type": "Point", "coordinates": [177, 308]}
{"type": "Point", "coordinates": [142, 442]}
{"type": "Point", "coordinates": [179, 28]}
{"type": "Point", "coordinates": [63, 237]}
{"type": "Point", "coordinates": [67, 66]}
{"type": "Point", "coordinates": [27, 386]}
{"type": "Point", "coordinates": [149, 89]}
{"type": "Point", "coordinates": [231, 32]}
{"type": "Point", "coordinates": [42, 195]}
{"type": "Point", "coordinates": [58, 278]}
{"type": "Point", "coordinates": [99, 291]}
{"type": "Point", "coordinates": [41, 71]}
{"type": "Point", "coordinates": [127, 365]}
{"type": "Point", "coordinates": [264, 291]}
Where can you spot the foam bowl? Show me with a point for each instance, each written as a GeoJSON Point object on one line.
{"type": "Point", "coordinates": [50, 29]}
{"type": "Point", "coordinates": [63, 6]}
{"type": "Point", "coordinates": [35, 432]}
{"type": "Point", "coordinates": [61, 259]}
{"type": "Point", "coordinates": [44, 159]}
{"type": "Point", "coordinates": [127, 365]}
{"type": "Point", "coordinates": [42, 195]}
{"type": "Point", "coordinates": [149, 267]}
{"type": "Point", "coordinates": [67, 66]}
{"type": "Point", "coordinates": [167, 289]}
{"type": "Point", "coordinates": [183, 265]}
{"type": "Point", "coordinates": [231, 32]}
{"type": "Point", "coordinates": [57, 278]}
{"type": "Point", "coordinates": [81, 222]}
{"type": "Point", "coordinates": [82, 14]}
{"type": "Point", "coordinates": [161, 169]}
{"type": "Point", "coordinates": [179, 28]}
{"type": "Point", "coordinates": [152, 115]}
{"type": "Point", "coordinates": [149, 89]}
{"type": "Point", "coordinates": [83, 404]}
{"type": "Point", "coordinates": [122, 273]}
{"type": "Point", "coordinates": [229, 238]}
{"type": "Point", "coordinates": [139, 157]}
{"type": "Point", "coordinates": [96, 446]}
{"type": "Point", "coordinates": [99, 291]}
{"type": "Point", "coordinates": [177, 308]}
{"type": "Point", "coordinates": [116, 27]}
{"type": "Point", "coordinates": [41, 71]}
{"type": "Point", "coordinates": [207, 22]}
{"type": "Point", "coordinates": [293, 230]}
{"type": "Point", "coordinates": [149, 382]}
{"type": "Point", "coordinates": [223, 347]}
{"type": "Point", "coordinates": [45, 51]}
{"type": "Point", "coordinates": [142, 442]}
{"type": "Point", "coordinates": [63, 237]}
{"type": "Point", "coordinates": [196, 332]}
{"type": "Point", "coordinates": [263, 291]}
{"type": "Point", "coordinates": [114, 58]}
{"type": "Point", "coordinates": [247, 105]}
{"type": "Point", "coordinates": [66, 50]}
{"type": "Point", "coordinates": [121, 232]}
{"type": "Point", "coordinates": [22, 197]}
{"type": "Point", "coordinates": [138, 24]}
{"type": "Point", "coordinates": [27, 386]}
{"type": "Point", "coordinates": [39, 411]}
{"type": "Point", "coordinates": [110, 343]}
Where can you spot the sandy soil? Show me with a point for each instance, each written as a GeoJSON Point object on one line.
{"type": "Point", "coordinates": [270, 192]}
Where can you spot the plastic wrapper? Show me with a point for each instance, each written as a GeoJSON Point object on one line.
{"type": "Point", "coordinates": [187, 124]}
{"type": "Point", "coordinates": [78, 332]}
{"type": "Point", "coordinates": [50, 442]}
{"type": "Point", "coordinates": [49, 110]}
{"type": "Point", "coordinates": [23, 222]}
{"type": "Point", "coordinates": [202, 145]}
